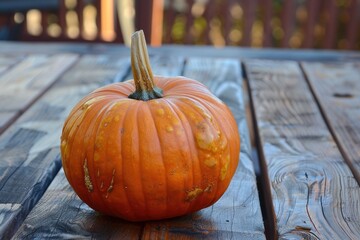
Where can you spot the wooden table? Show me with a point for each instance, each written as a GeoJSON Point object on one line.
{"type": "Point", "coordinates": [298, 114]}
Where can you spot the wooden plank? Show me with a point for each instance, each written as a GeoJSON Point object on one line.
{"type": "Point", "coordinates": [237, 214]}
{"type": "Point", "coordinates": [29, 149]}
{"type": "Point", "coordinates": [60, 213]}
{"type": "Point", "coordinates": [7, 61]}
{"type": "Point", "coordinates": [24, 83]}
{"type": "Point", "coordinates": [314, 193]}
{"type": "Point", "coordinates": [337, 87]}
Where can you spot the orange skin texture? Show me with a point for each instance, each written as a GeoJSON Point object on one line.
{"type": "Point", "coordinates": [148, 160]}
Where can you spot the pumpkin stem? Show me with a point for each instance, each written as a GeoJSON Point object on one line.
{"type": "Point", "coordinates": [140, 65]}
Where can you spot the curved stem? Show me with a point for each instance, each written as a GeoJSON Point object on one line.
{"type": "Point", "coordinates": [141, 69]}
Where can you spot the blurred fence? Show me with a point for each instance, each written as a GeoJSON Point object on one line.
{"type": "Point", "coordinates": [264, 23]}
{"type": "Point", "coordinates": [329, 24]}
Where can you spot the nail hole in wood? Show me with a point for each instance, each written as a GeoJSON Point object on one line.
{"type": "Point", "coordinates": [343, 95]}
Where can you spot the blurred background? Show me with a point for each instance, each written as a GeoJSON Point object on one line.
{"type": "Point", "coordinates": [320, 24]}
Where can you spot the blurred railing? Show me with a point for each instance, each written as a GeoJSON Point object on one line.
{"type": "Point", "coordinates": [264, 23]}
{"type": "Point", "coordinates": [68, 20]}
{"type": "Point", "coordinates": [329, 24]}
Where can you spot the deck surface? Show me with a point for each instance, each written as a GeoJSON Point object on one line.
{"type": "Point", "coordinates": [298, 111]}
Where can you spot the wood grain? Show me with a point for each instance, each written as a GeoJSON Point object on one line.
{"type": "Point", "coordinates": [337, 89]}
{"type": "Point", "coordinates": [29, 79]}
{"type": "Point", "coordinates": [314, 193]}
{"type": "Point", "coordinates": [29, 149]}
{"type": "Point", "coordinates": [237, 214]}
{"type": "Point", "coordinates": [7, 61]}
{"type": "Point", "coordinates": [61, 214]}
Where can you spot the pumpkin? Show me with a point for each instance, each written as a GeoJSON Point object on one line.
{"type": "Point", "coordinates": [150, 148]}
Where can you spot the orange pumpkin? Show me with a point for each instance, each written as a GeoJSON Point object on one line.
{"type": "Point", "coordinates": [150, 148]}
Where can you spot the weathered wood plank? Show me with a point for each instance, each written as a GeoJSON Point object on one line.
{"type": "Point", "coordinates": [60, 213]}
{"type": "Point", "coordinates": [7, 61]}
{"type": "Point", "coordinates": [29, 149]}
{"type": "Point", "coordinates": [314, 193]}
{"type": "Point", "coordinates": [237, 214]}
{"type": "Point", "coordinates": [337, 87]}
{"type": "Point", "coordinates": [25, 82]}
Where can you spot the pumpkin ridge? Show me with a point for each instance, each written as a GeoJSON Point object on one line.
{"type": "Point", "coordinates": [162, 155]}
{"type": "Point", "coordinates": [177, 112]}
{"type": "Point", "coordinates": [215, 194]}
{"type": "Point", "coordinates": [107, 108]}
{"type": "Point", "coordinates": [194, 202]}
{"type": "Point", "coordinates": [71, 135]}
{"type": "Point", "coordinates": [100, 114]}
{"type": "Point", "coordinates": [133, 110]}
{"type": "Point", "coordinates": [213, 187]}
{"type": "Point", "coordinates": [138, 122]}
{"type": "Point", "coordinates": [121, 123]}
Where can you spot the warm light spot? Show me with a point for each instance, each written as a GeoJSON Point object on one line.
{"type": "Point", "coordinates": [33, 22]}
{"type": "Point", "coordinates": [236, 12]}
{"type": "Point", "coordinates": [215, 33]}
{"type": "Point", "coordinates": [301, 14]}
{"type": "Point", "coordinates": [90, 28]}
{"type": "Point", "coordinates": [70, 4]}
{"type": "Point", "coordinates": [54, 30]}
{"type": "Point", "coordinates": [107, 20]}
{"type": "Point", "coordinates": [117, 118]}
{"type": "Point", "coordinates": [295, 42]}
{"type": "Point", "coordinates": [235, 35]}
{"type": "Point", "coordinates": [278, 33]}
{"type": "Point", "coordinates": [72, 24]}
{"type": "Point", "coordinates": [257, 34]}
{"type": "Point", "coordinates": [18, 17]}
{"type": "Point", "coordinates": [198, 9]}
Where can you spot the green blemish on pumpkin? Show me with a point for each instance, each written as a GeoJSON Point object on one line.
{"type": "Point", "coordinates": [225, 168]}
{"type": "Point", "coordinates": [87, 179]}
{"type": "Point", "coordinates": [193, 194]}
{"type": "Point", "coordinates": [160, 112]}
{"type": "Point", "coordinates": [210, 162]}
{"type": "Point", "coordinates": [169, 129]}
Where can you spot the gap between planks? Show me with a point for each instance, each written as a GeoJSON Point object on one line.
{"type": "Point", "coordinates": [333, 101]}
{"type": "Point", "coordinates": [314, 193]}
